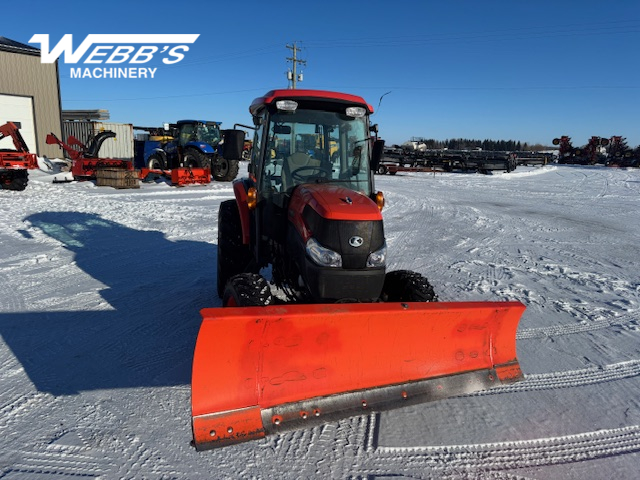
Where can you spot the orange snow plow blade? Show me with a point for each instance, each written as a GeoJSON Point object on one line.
{"type": "Point", "coordinates": [262, 370]}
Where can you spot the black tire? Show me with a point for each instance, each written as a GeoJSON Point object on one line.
{"type": "Point", "coordinates": [382, 169]}
{"type": "Point", "coordinates": [224, 170]}
{"type": "Point", "coordinates": [194, 158]}
{"type": "Point", "coordinates": [14, 179]}
{"type": "Point", "coordinates": [233, 255]}
{"type": "Point", "coordinates": [247, 290]}
{"type": "Point", "coordinates": [156, 162]}
{"type": "Point", "coordinates": [407, 286]}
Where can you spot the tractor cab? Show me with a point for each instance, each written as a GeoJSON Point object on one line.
{"type": "Point", "coordinates": [312, 181]}
{"type": "Point", "coordinates": [198, 131]}
{"type": "Point", "coordinates": [195, 144]}
{"type": "Point", "coordinates": [305, 139]}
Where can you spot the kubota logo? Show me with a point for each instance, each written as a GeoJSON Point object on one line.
{"type": "Point", "coordinates": [356, 241]}
{"type": "Point", "coordinates": [114, 49]}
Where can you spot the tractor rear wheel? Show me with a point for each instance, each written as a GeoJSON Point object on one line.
{"type": "Point", "coordinates": [247, 290]}
{"type": "Point", "coordinates": [233, 255]}
{"type": "Point", "coordinates": [224, 170]}
{"type": "Point", "coordinates": [407, 286]}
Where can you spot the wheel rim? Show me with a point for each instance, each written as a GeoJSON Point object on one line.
{"type": "Point", "coordinates": [155, 163]}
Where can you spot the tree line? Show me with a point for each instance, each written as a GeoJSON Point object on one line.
{"type": "Point", "coordinates": [471, 144]}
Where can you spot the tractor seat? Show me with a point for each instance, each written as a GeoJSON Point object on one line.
{"type": "Point", "coordinates": [291, 164]}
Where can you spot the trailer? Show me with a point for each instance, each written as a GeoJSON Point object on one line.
{"type": "Point", "coordinates": [402, 160]}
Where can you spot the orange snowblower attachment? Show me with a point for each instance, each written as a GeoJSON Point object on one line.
{"type": "Point", "coordinates": [261, 370]}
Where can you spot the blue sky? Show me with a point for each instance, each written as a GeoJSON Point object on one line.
{"type": "Point", "coordinates": [527, 71]}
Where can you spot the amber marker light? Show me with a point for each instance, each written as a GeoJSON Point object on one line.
{"type": "Point", "coordinates": [252, 198]}
{"type": "Point", "coordinates": [380, 200]}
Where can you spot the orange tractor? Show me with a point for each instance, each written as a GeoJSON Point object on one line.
{"type": "Point", "coordinates": [330, 333]}
{"type": "Point", "coordinates": [14, 164]}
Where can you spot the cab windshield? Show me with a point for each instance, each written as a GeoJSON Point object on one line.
{"type": "Point", "coordinates": [208, 132]}
{"type": "Point", "coordinates": [311, 146]}
{"type": "Point", "coordinates": [200, 132]}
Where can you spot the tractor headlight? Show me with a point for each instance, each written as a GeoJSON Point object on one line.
{"type": "Point", "coordinates": [321, 255]}
{"type": "Point", "coordinates": [378, 258]}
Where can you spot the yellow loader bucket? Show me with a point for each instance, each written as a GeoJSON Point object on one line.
{"type": "Point", "coordinates": [261, 370]}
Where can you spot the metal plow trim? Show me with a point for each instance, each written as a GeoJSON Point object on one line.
{"type": "Point", "coordinates": [261, 370]}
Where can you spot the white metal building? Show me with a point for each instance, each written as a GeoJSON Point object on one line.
{"type": "Point", "coordinates": [29, 96]}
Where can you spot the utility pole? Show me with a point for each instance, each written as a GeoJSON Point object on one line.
{"type": "Point", "coordinates": [294, 77]}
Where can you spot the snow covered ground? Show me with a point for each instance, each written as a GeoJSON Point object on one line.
{"type": "Point", "coordinates": [100, 292]}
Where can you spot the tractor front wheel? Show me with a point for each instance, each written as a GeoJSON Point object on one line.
{"type": "Point", "coordinates": [194, 158]}
{"type": "Point", "coordinates": [247, 290]}
{"type": "Point", "coordinates": [407, 286]}
{"type": "Point", "coordinates": [156, 162]}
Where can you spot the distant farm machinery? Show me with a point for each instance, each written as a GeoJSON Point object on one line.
{"type": "Point", "coordinates": [612, 151]}
{"type": "Point", "coordinates": [398, 159]}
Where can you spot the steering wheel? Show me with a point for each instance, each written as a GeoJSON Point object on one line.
{"type": "Point", "coordinates": [314, 170]}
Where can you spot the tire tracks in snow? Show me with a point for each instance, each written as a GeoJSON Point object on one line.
{"type": "Point", "coordinates": [354, 451]}
{"type": "Point", "coordinates": [569, 378]}
{"type": "Point", "coordinates": [474, 460]}
{"type": "Point", "coordinates": [83, 446]}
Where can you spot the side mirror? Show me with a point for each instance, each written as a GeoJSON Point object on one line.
{"type": "Point", "coordinates": [233, 144]}
{"type": "Point", "coordinates": [376, 154]}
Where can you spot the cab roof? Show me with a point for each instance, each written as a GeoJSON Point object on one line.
{"type": "Point", "coordinates": [274, 95]}
{"type": "Point", "coordinates": [207, 122]}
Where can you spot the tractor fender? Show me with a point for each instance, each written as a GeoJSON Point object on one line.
{"type": "Point", "coordinates": [240, 189]}
{"type": "Point", "coordinates": [203, 147]}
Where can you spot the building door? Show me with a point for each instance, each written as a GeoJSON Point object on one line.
{"type": "Point", "coordinates": [19, 110]}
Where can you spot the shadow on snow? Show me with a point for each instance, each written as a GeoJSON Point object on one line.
{"type": "Point", "coordinates": [155, 289]}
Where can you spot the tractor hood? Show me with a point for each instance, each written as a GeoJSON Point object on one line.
{"type": "Point", "coordinates": [333, 202]}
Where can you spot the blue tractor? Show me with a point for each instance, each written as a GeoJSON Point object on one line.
{"type": "Point", "coordinates": [196, 143]}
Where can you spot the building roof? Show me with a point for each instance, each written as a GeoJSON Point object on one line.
{"type": "Point", "coordinates": [69, 115]}
{"type": "Point", "coordinates": [8, 45]}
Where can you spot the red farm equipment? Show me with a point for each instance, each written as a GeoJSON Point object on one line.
{"type": "Point", "coordinates": [620, 155]}
{"type": "Point", "coordinates": [15, 163]}
{"type": "Point", "coordinates": [590, 154]}
{"type": "Point", "coordinates": [84, 158]}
